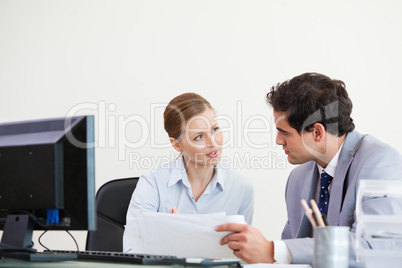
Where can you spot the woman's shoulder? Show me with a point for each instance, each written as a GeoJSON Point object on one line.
{"type": "Point", "coordinates": [163, 171]}
{"type": "Point", "coordinates": [231, 175]}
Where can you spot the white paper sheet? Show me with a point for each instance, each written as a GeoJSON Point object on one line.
{"type": "Point", "coordinates": [183, 235]}
{"type": "Point", "coordinates": [275, 265]}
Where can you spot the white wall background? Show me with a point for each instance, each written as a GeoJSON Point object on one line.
{"type": "Point", "coordinates": [122, 60]}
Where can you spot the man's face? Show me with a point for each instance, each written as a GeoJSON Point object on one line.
{"type": "Point", "coordinates": [292, 143]}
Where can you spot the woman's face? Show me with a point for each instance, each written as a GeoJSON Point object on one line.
{"type": "Point", "coordinates": [202, 140]}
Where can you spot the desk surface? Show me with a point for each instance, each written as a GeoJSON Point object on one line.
{"type": "Point", "coordinates": [90, 264]}
{"type": "Point", "coordinates": [73, 264]}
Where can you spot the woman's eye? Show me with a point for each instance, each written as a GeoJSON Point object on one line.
{"type": "Point", "coordinates": [198, 137]}
{"type": "Point", "coordinates": [215, 129]}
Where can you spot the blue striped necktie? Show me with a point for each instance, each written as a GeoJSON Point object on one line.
{"type": "Point", "coordinates": [323, 200]}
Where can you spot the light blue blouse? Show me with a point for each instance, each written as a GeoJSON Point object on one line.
{"type": "Point", "coordinates": [168, 186]}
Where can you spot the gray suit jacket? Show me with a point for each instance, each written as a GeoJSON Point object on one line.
{"type": "Point", "coordinates": [361, 157]}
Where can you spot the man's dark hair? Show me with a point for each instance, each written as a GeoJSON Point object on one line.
{"type": "Point", "coordinates": [314, 98]}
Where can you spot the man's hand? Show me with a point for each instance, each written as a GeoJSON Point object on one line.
{"type": "Point", "coordinates": [247, 243]}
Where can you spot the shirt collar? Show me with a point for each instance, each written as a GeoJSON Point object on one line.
{"type": "Point", "coordinates": [217, 179]}
{"type": "Point", "coordinates": [331, 167]}
{"type": "Point", "coordinates": [179, 173]}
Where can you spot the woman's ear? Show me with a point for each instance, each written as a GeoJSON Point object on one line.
{"type": "Point", "coordinates": [175, 144]}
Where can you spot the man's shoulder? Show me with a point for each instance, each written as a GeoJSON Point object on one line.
{"type": "Point", "coordinates": [375, 159]}
{"type": "Point", "coordinates": [371, 142]}
{"type": "Point", "coordinates": [372, 147]}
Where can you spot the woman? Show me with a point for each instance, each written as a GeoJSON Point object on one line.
{"type": "Point", "coordinates": [195, 183]}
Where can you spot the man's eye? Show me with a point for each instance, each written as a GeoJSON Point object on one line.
{"type": "Point", "coordinates": [284, 133]}
{"type": "Point", "coordinates": [215, 129]}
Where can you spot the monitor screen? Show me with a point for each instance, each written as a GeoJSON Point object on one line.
{"type": "Point", "coordinates": [47, 177]}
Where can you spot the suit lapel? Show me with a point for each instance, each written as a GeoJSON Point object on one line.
{"type": "Point", "coordinates": [336, 195]}
{"type": "Point", "coordinates": [308, 193]}
{"type": "Point", "coordinates": [349, 149]}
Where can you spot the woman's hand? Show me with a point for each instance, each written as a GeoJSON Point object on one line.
{"type": "Point", "coordinates": [174, 210]}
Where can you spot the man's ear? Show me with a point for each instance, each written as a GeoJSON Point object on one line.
{"type": "Point", "coordinates": [175, 144]}
{"type": "Point", "coordinates": [319, 132]}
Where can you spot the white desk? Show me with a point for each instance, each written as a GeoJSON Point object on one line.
{"type": "Point", "coordinates": [93, 264]}
{"type": "Point", "coordinates": [75, 264]}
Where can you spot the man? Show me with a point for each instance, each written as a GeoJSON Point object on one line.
{"type": "Point", "coordinates": [312, 116]}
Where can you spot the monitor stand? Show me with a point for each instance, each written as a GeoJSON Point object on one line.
{"type": "Point", "coordinates": [17, 232]}
{"type": "Point", "coordinates": [16, 242]}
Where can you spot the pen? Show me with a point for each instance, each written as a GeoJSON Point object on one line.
{"type": "Point", "coordinates": [308, 212]}
{"type": "Point", "coordinates": [316, 210]}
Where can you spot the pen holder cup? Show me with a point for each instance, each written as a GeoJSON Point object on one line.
{"type": "Point", "coordinates": [331, 247]}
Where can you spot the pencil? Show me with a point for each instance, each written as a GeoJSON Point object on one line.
{"type": "Point", "coordinates": [316, 210]}
{"type": "Point", "coordinates": [308, 212]}
{"type": "Point", "coordinates": [324, 218]}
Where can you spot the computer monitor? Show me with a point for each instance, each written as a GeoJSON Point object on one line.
{"type": "Point", "coordinates": [47, 178]}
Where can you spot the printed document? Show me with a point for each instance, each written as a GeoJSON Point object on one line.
{"type": "Point", "coordinates": [183, 235]}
